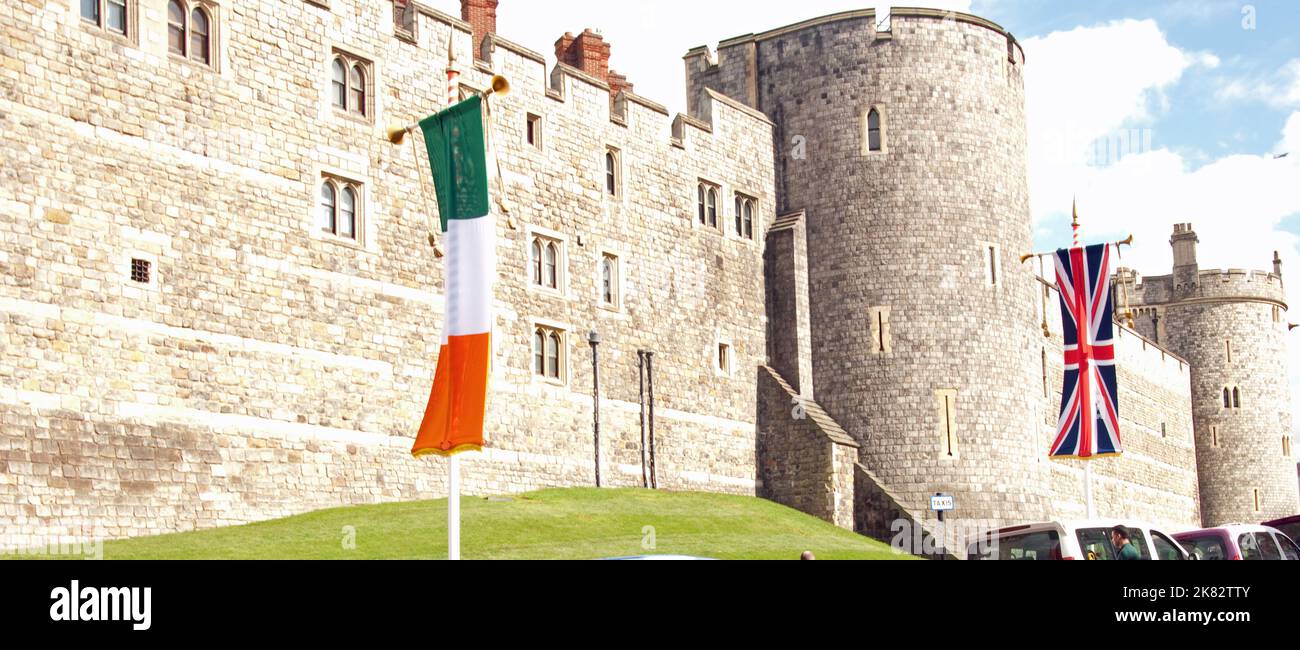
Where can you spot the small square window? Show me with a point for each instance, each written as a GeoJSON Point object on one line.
{"type": "Point", "coordinates": [140, 271]}
{"type": "Point", "coordinates": [533, 136]}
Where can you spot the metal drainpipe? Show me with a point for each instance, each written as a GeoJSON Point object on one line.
{"type": "Point", "coordinates": [650, 368]}
{"type": "Point", "coordinates": [640, 368]}
{"type": "Point", "coordinates": [594, 338]}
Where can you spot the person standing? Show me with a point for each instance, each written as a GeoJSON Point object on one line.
{"type": "Point", "coordinates": [1119, 536]}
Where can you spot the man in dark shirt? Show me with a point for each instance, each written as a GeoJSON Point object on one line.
{"type": "Point", "coordinates": [1123, 545]}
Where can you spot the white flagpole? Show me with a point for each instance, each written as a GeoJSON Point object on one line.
{"type": "Point", "coordinates": [1087, 489]}
{"type": "Point", "coordinates": [453, 509]}
{"type": "Point", "coordinates": [453, 465]}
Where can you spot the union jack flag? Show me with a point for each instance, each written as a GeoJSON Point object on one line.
{"type": "Point", "coordinates": [1089, 425]}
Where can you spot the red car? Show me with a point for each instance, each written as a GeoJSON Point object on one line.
{"type": "Point", "coordinates": [1290, 526]}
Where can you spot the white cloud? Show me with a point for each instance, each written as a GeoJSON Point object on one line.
{"type": "Point", "coordinates": [1102, 81]}
{"type": "Point", "coordinates": [1087, 83]}
{"type": "Point", "coordinates": [1279, 89]}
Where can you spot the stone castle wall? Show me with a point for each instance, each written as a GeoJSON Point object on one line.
{"type": "Point", "coordinates": [1156, 478]}
{"type": "Point", "coordinates": [908, 305]}
{"type": "Point", "coordinates": [268, 368]}
{"type": "Point", "coordinates": [1231, 326]}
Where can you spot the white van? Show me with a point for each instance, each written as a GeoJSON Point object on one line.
{"type": "Point", "coordinates": [1072, 540]}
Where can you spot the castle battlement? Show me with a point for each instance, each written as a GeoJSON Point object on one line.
{"type": "Point", "coordinates": [573, 87]}
{"type": "Point", "coordinates": [1226, 285]}
{"type": "Point", "coordinates": [733, 68]}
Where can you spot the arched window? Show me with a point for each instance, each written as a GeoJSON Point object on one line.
{"type": "Point", "coordinates": [348, 214]}
{"type": "Point", "coordinates": [744, 217]}
{"type": "Point", "coordinates": [537, 262]}
{"type": "Point", "coordinates": [548, 345]}
{"type": "Point", "coordinates": [199, 36]}
{"type": "Point", "coordinates": [740, 208]}
{"type": "Point", "coordinates": [701, 203]}
{"type": "Point", "coordinates": [339, 84]}
{"type": "Point", "coordinates": [539, 352]}
{"type": "Point", "coordinates": [749, 219]}
{"type": "Point", "coordinates": [873, 130]}
{"type": "Point", "coordinates": [1236, 398]}
{"type": "Point", "coordinates": [327, 206]}
{"type": "Point", "coordinates": [1227, 398]}
{"type": "Point", "coordinates": [553, 355]}
{"type": "Point", "coordinates": [357, 82]}
{"type": "Point", "coordinates": [611, 173]}
{"type": "Point", "coordinates": [176, 27]}
{"type": "Point", "coordinates": [713, 207]}
{"type": "Point", "coordinates": [551, 277]}
{"type": "Point", "coordinates": [340, 208]}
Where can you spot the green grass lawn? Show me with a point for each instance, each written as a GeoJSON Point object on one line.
{"type": "Point", "coordinates": [552, 524]}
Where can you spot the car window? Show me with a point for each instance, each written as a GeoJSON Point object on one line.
{"type": "Point", "coordinates": [1165, 548]}
{"type": "Point", "coordinates": [1258, 546]}
{"type": "Point", "coordinates": [1139, 541]}
{"type": "Point", "coordinates": [1207, 547]}
{"type": "Point", "coordinates": [1045, 545]}
{"type": "Point", "coordinates": [1095, 543]}
{"type": "Point", "coordinates": [1289, 550]}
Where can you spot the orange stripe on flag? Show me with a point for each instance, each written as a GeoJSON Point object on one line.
{"type": "Point", "coordinates": [453, 423]}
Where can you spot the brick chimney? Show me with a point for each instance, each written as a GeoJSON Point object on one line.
{"type": "Point", "coordinates": [482, 16]}
{"type": "Point", "coordinates": [587, 52]}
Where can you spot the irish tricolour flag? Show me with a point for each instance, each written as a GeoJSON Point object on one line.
{"type": "Point", "coordinates": [453, 422]}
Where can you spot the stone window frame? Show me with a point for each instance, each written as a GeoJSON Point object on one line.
{"type": "Point", "coordinates": [213, 11]}
{"type": "Point", "coordinates": [881, 331]}
{"type": "Point", "coordinates": [561, 241]}
{"type": "Point", "coordinates": [741, 200]}
{"type": "Point", "coordinates": [370, 68]}
{"type": "Point", "coordinates": [883, 130]}
{"type": "Point", "coordinates": [536, 123]}
{"type": "Point", "coordinates": [1232, 398]}
{"type": "Point", "coordinates": [724, 357]}
{"type": "Point", "coordinates": [339, 186]}
{"type": "Point", "coordinates": [619, 304]}
{"type": "Point", "coordinates": [611, 164]}
{"type": "Point", "coordinates": [1214, 437]}
{"type": "Point", "coordinates": [991, 260]}
{"type": "Point", "coordinates": [365, 235]}
{"type": "Point", "coordinates": [132, 35]}
{"type": "Point", "coordinates": [945, 402]}
{"type": "Point", "coordinates": [701, 215]}
{"type": "Point", "coordinates": [549, 328]}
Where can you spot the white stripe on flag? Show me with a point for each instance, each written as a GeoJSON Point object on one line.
{"type": "Point", "coordinates": [471, 270]}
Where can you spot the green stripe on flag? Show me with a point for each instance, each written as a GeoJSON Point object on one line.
{"type": "Point", "coordinates": [458, 155]}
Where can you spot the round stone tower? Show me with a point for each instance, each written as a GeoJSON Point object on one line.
{"type": "Point", "coordinates": [1231, 327]}
{"type": "Point", "coordinates": [904, 140]}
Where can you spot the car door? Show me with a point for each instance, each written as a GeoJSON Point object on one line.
{"type": "Point", "coordinates": [1166, 549]}
{"type": "Point", "coordinates": [1258, 546]}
